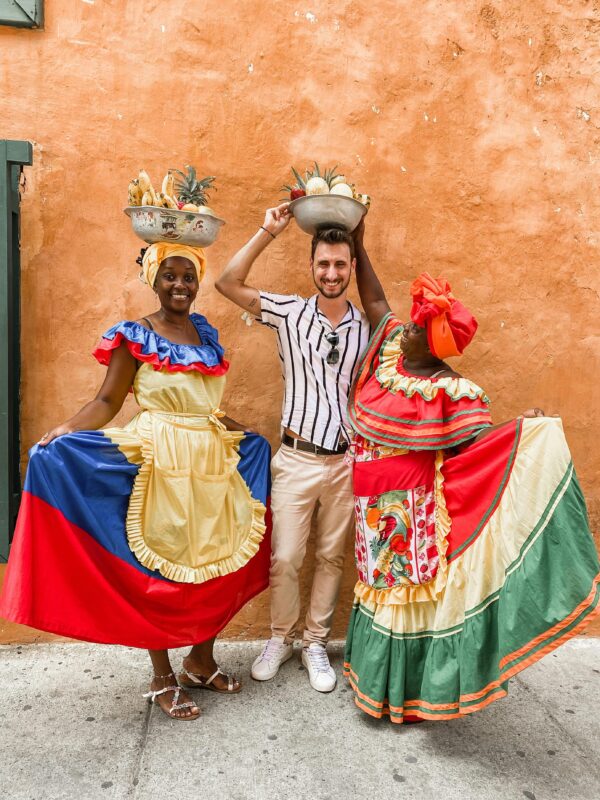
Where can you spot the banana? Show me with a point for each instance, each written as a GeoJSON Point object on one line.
{"type": "Point", "coordinates": [144, 180]}
{"type": "Point", "coordinates": [147, 199]}
{"type": "Point", "coordinates": [146, 186]}
{"type": "Point", "coordinates": [168, 185]}
{"type": "Point", "coordinates": [135, 193]}
{"type": "Point", "coordinates": [165, 201]}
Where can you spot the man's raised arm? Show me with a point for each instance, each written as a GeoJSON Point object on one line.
{"type": "Point", "coordinates": [371, 292]}
{"type": "Point", "coordinates": [232, 282]}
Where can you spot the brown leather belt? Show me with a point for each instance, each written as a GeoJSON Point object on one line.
{"type": "Point", "coordinates": [308, 447]}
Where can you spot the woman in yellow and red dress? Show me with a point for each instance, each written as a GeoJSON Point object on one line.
{"type": "Point", "coordinates": [151, 535]}
{"type": "Point", "coordinates": [473, 550]}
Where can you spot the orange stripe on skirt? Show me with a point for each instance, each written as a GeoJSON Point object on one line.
{"type": "Point", "coordinates": [556, 629]}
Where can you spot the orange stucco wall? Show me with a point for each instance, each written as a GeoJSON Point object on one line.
{"type": "Point", "coordinates": [473, 126]}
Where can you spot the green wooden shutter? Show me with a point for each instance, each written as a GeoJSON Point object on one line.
{"type": "Point", "coordinates": [13, 155]}
{"type": "Point", "coordinates": [22, 13]}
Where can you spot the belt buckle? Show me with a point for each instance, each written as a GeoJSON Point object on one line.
{"type": "Point", "coordinates": [290, 441]}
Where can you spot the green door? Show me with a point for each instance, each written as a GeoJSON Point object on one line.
{"type": "Point", "coordinates": [13, 156]}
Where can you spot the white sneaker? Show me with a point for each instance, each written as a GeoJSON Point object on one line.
{"type": "Point", "coordinates": [274, 654]}
{"type": "Point", "coordinates": [320, 672]}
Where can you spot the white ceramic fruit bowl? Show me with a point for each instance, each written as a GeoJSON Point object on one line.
{"type": "Point", "coordinates": [154, 224]}
{"type": "Point", "coordinates": [327, 211]}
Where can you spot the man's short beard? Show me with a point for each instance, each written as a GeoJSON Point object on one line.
{"type": "Point", "coordinates": [341, 291]}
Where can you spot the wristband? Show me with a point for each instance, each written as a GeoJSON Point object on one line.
{"type": "Point", "coordinates": [266, 231]}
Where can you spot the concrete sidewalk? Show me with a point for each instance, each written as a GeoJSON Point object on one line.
{"type": "Point", "coordinates": [73, 725]}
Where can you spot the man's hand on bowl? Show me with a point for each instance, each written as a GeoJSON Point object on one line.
{"type": "Point", "coordinates": [277, 219]}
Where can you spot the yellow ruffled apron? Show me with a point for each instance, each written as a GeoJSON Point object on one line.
{"type": "Point", "coordinates": [191, 515]}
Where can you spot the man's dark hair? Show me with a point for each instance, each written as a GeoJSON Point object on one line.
{"type": "Point", "coordinates": [332, 236]}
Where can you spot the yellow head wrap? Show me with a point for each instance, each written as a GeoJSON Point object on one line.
{"type": "Point", "coordinates": [157, 252]}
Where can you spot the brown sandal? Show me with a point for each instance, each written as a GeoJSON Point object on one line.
{"type": "Point", "coordinates": [191, 680]}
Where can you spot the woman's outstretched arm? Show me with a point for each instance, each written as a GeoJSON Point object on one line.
{"type": "Point", "coordinates": [108, 401]}
{"type": "Point", "coordinates": [372, 296]}
{"type": "Point", "coordinates": [530, 413]}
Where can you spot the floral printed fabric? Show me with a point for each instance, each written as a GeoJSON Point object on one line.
{"type": "Point", "coordinates": [395, 531]}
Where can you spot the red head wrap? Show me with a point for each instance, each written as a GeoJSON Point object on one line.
{"type": "Point", "coordinates": [450, 326]}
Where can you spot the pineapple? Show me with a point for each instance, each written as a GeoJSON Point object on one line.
{"type": "Point", "coordinates": [336, 180]}
{"type": "Point", "coordinates": [190, 190]}
{"type": "Point", "coordinates": [317, 183]}
{"type": "Point", "coordinates": [329, 175]}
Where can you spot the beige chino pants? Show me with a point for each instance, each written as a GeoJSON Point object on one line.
{"type": "Point", "coordinates": [302, 482]}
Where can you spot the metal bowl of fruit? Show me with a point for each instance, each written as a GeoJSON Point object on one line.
{"type": "Point", "coordinates": [323, 199]}
{"type": "Point", "coordinates": [153, 224]}
{"type": "Point", "coordinates": [178, 213]}
{"type": "Point", "coordinates": [327, 211]}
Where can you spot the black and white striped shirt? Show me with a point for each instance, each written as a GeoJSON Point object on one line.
{"type": "Point", "coordinates": [316, 393]}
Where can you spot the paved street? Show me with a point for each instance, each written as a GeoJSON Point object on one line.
{"type": "Point", "coordinates": [73, 724]}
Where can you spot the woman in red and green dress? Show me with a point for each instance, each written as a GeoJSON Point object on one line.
{"type": "Point", "coordinates": [473, 550]}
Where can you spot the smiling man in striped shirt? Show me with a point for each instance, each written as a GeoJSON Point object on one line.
{"type": "Point", "coordinates": [320, 340]}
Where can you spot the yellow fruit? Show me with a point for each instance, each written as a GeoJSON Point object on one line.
{"type": "Point", "coordinates": [147, 199]}
{"type": "Point", "coordinates": [206, 210]}
{"type": "Point", "coordinates": [342, 189]}
{"type": "Point", "coordinates": [316, 186]}
{"type": "Point", "coordinates": [190, 207]}
{"type": "Point", "coordinates": [146, 186]}
{"type": "Point", "coordinates": [166, 201]}
{"type": "Point", "coordinates": [144, 180]}
{"type": "Point", "coordinates": [135, 193]}
{"type": "Point", "coordinates": [168, 185]}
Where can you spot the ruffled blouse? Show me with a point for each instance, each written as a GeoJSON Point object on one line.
{"type": "Point", "coordinates": [389, 406]}
{"type": "Point", "coordinates": [152, 348]}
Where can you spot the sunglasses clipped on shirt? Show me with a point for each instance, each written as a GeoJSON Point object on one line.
{"type": "Point", "coordinates": [332, 339]}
